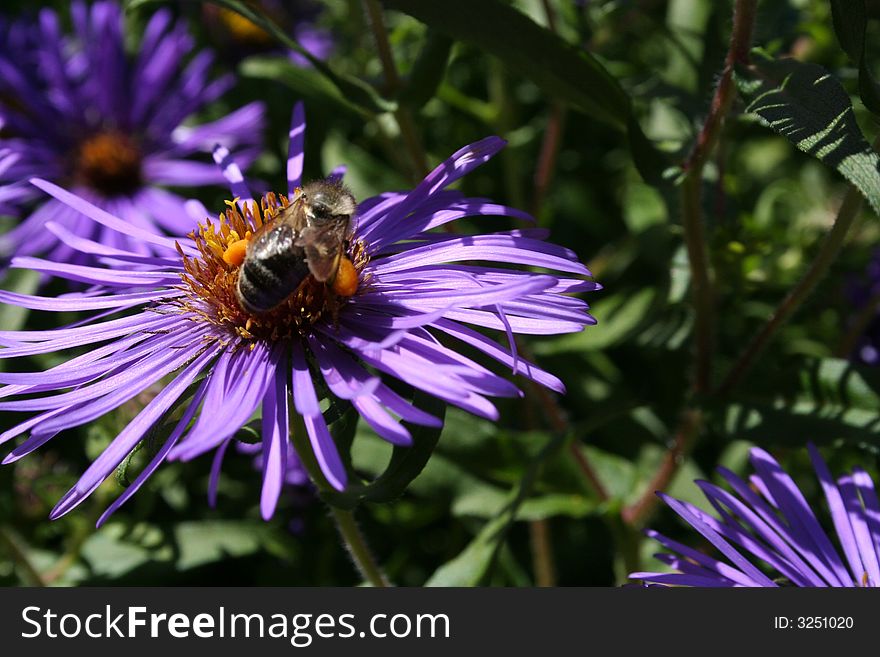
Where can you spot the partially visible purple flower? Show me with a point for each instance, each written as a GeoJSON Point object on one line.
{"type": "Point", "coordinates": [80, 111]}
{"type": "Point", "coordinates": [767, 532]}
{"type": "Point", "coordinates": [297, 488]}
{"type": "Point", "coordinates": [420, 296]}
{"type": "Point", "coordinates": [238, 37]}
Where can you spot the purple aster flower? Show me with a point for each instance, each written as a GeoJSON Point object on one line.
{"type": "Point", "coordinates": [415, 291]}
{"type": "Point", "coordinates": [766, 526]}
{"type": "Point", "coordinates": [78, 110]}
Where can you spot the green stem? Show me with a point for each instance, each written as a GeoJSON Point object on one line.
{"type": "Point", "coordinates": [403, 116]}
{"type": "Point", "coordinates": [637, 513]}
{"type": "Point", "coordinates": [688, 431]}
{"type": "Point", "coordinates": [691, 194]}
{"type": "Point", "coordinates": [701, 281]}
{"type": "Point", "coordinates": [358, 548]}
{"type": "Point", "coordinates": [831, 245]}
{"type": "Point", "coordinates": [542, 553]}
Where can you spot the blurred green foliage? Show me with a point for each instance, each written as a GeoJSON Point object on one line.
{"type": "Point", "coordinates": [648, 66]}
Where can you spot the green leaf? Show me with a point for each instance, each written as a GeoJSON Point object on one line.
{"type": "Point", "coordinates": [308, 84]}
{"type": "Point", "coordinates": [850, 24]}
{"type": "Point", "coordinates": [805, 104]}
{"type": "Point", "coordinates": [830, 399]}
{"type": "Point", "coordinates": [428, 71]}
{"type": "Point", "coordinates": [113, 550]}
{"type": "Point", "coordinates": [407, 462]}
{"type": "Point", "coordinates": [473, 563]}
{"type": "Point", "coordinates": [561, 69]}
{"type": "Point", "coordinates": [619, 315]}
{"type": "Point", "coordinates": [203, 542]}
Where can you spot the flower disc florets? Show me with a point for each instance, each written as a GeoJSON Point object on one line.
{"type": "Point", "coordinates": [211, 279]}
{"type": "Point", "coordinates": [110, 162]}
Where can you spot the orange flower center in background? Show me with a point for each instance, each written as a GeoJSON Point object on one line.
{"type": "Point", "coordinates": [211, 279]}
{"type": "Point", "coordinates": [109, 162]}
{"type": "Point", "coordinates": [243, 30]}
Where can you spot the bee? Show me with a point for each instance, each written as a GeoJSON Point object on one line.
{"type": "Point", "coordinates": [307, 237]}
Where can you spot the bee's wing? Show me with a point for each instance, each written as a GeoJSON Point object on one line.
{"type": "Point", "coordinates": [323, 247]}
{"type": "Point", "coordinates": [294, 215]}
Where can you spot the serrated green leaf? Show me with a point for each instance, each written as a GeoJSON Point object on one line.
{"type": "Point", "coordinates": [471, 565]}
{"type": "Point", "coordinates": [850, 24]}
{"type": "Point", "coordinates": [808, 106]}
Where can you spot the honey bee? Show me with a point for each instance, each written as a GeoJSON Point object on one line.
{"type": "Point", "coordinates": [307, 237]}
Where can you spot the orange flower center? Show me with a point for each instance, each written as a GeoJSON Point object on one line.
{"type": "Point", "coordinates": [243, 30]}
{"type": "Point", "coordinates": [109, 162]}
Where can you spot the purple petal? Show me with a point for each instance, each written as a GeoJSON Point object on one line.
{"type": "Point", "coordinates": [158, 459]}
{"type": "Point", "coordinates": [296, 148]}
{"type": "Point", "coordinates": [131, 435]}
{"type": "Point", "coordinates": [275, 431]}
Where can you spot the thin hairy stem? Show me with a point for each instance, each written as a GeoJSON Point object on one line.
{"type": "Point", "coordinates": [691, 194]}
{"type": "Point", "coordinates": [698, 257]}
{"type": "Point", "coordinates": [358, 549]}
{"type": "Point", "coordinates": [637, 513]}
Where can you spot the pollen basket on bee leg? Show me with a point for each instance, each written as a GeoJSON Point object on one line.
{"type": "Point", "coordinates": [346, 282]}
{"type": "Point", "coordinates": [235, 252]}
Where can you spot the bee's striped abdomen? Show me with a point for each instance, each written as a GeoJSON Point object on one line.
{"type": "Point", "coordinates": [273, 268]}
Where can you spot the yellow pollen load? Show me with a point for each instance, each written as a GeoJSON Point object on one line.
{"type": "Point", "coordinates": [234, 253]}
{"type": "Point", "coordinates": [346, 282]}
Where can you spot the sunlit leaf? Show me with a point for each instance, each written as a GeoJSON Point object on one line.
{"type": "Point", "coordinates": [827, 400]}
{"type": "Point", "coordinates": [807, 105]}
